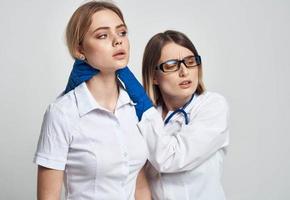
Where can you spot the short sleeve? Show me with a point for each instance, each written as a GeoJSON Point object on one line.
{"type": "Point", "coordinates": [53, 143]}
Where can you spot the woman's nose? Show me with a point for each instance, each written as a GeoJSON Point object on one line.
{"type": "Point", "coordinates": [117, 41]}
{"type": "Point", "coordinates": [183, 71]}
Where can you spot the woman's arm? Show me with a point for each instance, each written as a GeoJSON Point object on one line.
{"type": "Point", "coordinates": [142, 187]}
{"type": "Point", "coordinates": [187, 148]}
{"type": "Point", "coordinates": [49, 183]}
{"type": "Point", "coordinates": [135, 90]}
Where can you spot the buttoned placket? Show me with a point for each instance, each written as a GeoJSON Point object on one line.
{"type": "Point", "coordinates": [123, 148]}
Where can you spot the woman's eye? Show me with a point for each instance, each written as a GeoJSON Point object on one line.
{"type": "Point", "coordinates": [102, 36]}
{"type": "Point", "coordinates": [190, 61]}
{"type": "Point", "coordinates": [123, 33]}
{"type": "Point", "coordinates": [169, 66]}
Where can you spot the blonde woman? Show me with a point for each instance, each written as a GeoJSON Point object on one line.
{"type": "Point", "coordinates": [89, 139]}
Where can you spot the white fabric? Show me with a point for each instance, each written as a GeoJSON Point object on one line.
{"type": "Point", "coordinates": [100, 152]}
{"type": "Point", "coordinates": [188, 157]}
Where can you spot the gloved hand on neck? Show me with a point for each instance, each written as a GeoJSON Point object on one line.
{"type": "Point", "coordinates": [80, 73]}
{"type": "Point", "coordinates": [135, 91]}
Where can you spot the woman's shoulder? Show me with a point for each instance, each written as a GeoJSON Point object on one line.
{"type": "Point", "coordinates": [213, 97]}
{"type": "Point", "coordinates": [63, 105]}
{"type": "Point", "coordinates": [211, 101]}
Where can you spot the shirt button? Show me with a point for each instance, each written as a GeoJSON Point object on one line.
{"type": "Point", "coordinates": [125, 154]}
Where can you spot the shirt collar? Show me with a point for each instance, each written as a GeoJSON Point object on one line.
{"type": "Point", "coordinates": [86, 102]}
{"type": "Point", "coordinates": [123, 98]}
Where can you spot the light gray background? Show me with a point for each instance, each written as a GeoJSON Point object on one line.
{"type": "Point", "coordinates": [245, 49]}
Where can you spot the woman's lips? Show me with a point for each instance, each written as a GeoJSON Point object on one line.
{"type": "Point", "coordinates": [185, 84]}
{"type": "Point", "coordinates": [119, 55]}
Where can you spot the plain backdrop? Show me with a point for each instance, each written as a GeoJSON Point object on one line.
{"type": "Point", "coordinates": [245, 49]}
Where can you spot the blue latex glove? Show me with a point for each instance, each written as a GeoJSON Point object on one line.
{"type": "Point", "coordinates": [80, 73]}
{"type": "Point", "coordinates": [135, 90]}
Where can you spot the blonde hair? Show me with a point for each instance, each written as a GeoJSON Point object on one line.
{"type": "Point", "coordinates": [81, 20]}
{"type": "Point", "coordinates": [151, 58]}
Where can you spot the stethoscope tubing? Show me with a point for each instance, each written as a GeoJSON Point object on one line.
{"type": "Point", "coordinates": [185, 115]}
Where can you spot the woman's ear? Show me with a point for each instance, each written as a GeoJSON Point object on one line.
{"type": "Point", "coordinates": [155, 79]}
{"type": "Point", "coordinates": [80, 53]}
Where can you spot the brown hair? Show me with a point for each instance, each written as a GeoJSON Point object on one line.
{"type": "Point", "coordinates": [81, 20]}
{"type": "Point", "coordinates": [151, 58]}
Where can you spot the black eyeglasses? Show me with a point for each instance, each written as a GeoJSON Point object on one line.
{"type": "Point", "coordinates": [174, 64]}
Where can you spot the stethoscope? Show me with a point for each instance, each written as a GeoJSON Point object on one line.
{"type": "Point", "coordinates": [180, 110]}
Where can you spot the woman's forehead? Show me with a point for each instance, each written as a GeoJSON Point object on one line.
{"type": "Point", "coordinates": [174, 51]}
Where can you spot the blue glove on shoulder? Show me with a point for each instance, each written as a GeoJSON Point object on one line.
{"type": "Point", "coordinates": [80, 73]}
{"type": "Point", "coordinates": [135, 91]}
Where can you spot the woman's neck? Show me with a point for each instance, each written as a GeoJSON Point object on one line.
{"type": "Point", "coordinates": [104, 89]}
{"type": "Point", "coordinates": [172, 104]}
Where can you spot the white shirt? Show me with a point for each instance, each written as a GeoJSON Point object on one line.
{"type": "Point", "coordinates": [187, 159]}
{"type": "Point", "coordinates": [100, 152]}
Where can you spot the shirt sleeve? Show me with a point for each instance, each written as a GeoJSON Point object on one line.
{"type": "Point", "coordinates": [53, 143]}
{"type": "Point", "coordinates": [194, 143]}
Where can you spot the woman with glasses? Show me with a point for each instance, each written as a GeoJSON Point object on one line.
{"type": "Point", "coordinates": [187, 133]}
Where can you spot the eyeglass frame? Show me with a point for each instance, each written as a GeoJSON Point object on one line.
{"type": "Point", "coordinates": [197, 59]}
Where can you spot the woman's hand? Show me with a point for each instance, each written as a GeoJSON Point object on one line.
{"type": "Point", "coordinates": [135, 91]}
{"type": "Point", "coordinates": [80, 73]}
{"type": "Point", "coordinates": [142, 187]}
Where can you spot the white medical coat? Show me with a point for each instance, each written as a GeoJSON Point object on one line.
{"type": "Point", "coordinates": [187, 159]}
